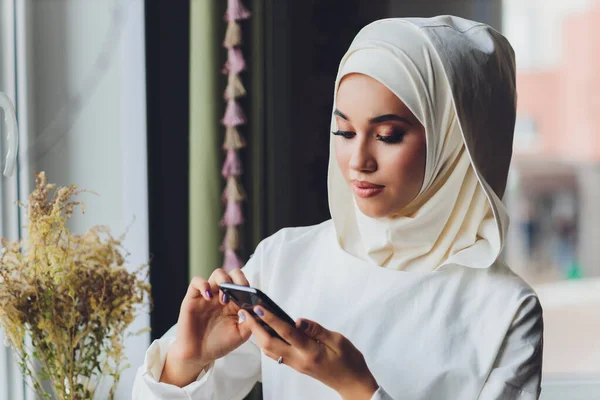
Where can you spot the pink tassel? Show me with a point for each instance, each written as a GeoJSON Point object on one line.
{"type": "Point", "coordinates": [232, 165]}
{"type": "Point", "coordinates": [234, 115]}
{"type": "Point", "coordinates": [236, 11]}
{"type": "Point", "coordinates": [231, 261]}
{"type": "Point", "coordinates": [233, 214]}
{"type": "Point", "coordinates": [235, 61]}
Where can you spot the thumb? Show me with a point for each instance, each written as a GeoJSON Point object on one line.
{"type": "Point", "coordinates": [244, 328]}
{"type": "Point", "coordinates": [314, 330]}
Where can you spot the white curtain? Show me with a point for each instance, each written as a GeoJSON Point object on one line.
{"type": "Point", "coordinates": [12, 53]}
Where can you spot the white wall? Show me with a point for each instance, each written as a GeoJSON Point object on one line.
{"type": "Point", "coordinates": [87, 119]}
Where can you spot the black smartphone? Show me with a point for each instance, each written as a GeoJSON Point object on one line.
{"type": "Point", "coordinates": [247, 297]}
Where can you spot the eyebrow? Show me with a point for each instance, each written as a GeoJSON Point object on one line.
{"type": "Point", "coordinates": [377, 120]}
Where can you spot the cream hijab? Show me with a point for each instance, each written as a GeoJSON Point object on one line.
{"type": "Point", "coordinates": [458, 78]}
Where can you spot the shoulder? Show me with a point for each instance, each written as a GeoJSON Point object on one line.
{"type": "Point", "coordinates": [296, 237]}
{"type": "Point", "coordinates": [499, 282]}
{"type": "Point", "coordinates": [507, 283]}
{"type": "Point", "coordinates": [499, 293]}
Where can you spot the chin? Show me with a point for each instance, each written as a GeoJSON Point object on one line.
{"type": "Point", "coordinates": [379, 208]}
{"type": "Point", "coordinates": [371, 209]}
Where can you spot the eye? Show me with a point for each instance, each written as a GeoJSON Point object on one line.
{"type": "Point", "coordinates": [395, 137]}
{"type": "Point", "coordinates": [345, 134]}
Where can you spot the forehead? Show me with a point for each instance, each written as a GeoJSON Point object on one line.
{"type": "Point", "coordinates": [363, 95]}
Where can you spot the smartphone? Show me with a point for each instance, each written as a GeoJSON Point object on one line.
{"type": "Point", "coordinates": [247, 297]}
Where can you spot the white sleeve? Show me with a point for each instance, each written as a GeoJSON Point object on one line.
{"type": "Point", "coordinates": [381, 394]}
{"type": "Point", "coordinates": [516, 374]}
{"type": "Point", "coordinates": [517, 371]}
{"type": "Point", "coordinates": [228, 378]}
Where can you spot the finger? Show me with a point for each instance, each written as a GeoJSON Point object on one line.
{"type": "Point", "coordinates": [238, 277]}
{"type": "Point", "coordinates": [244, 328]}
{"type": "Point", "coordinates": [318, 333]}
{"type": "Point", "coordinates": [274, 356]}
{"type": "Point", "coordinates": [268, 343]}
{"type": "Point", "coordinates": [220, 276]}
{"type": "Point", "coordinates": [199, 287]}
{"type": "Point", "coordinates": [287, 331]}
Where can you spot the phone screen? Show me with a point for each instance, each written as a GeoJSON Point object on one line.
{"type": "Point", "coordinates": [246, 298]}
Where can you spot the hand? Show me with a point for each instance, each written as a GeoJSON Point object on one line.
{"type": "Point", "coordinates": [315, 351]}
{"type": "Point", "coordinates": [207, 328]}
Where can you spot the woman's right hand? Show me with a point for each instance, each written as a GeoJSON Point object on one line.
{"type": "Point", "coordinates": [207, 328]}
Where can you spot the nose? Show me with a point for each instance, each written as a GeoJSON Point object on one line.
{"type": "Point", "coordinates": [362, 159]}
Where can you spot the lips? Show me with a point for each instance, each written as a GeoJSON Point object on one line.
{"type": "Point", "coordinates": [365, 184]}
{"type": "Point", "coordinates": [366, 189]}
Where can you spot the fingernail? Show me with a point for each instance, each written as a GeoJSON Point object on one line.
{"type": "Point", "coordinates": [209, 294]}
{"type": "Point", "coordinates": [225, 298]}
{"type": "Point", "coordinates": [259, 312]}
{"type": "Point", "coordinates": [242, 316]}
{"type": "Point", "coordinates": [304, 325]}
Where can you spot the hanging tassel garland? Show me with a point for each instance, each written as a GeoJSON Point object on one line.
{"type": "Point", "coordinates": [234, 116]}
{"type": "Point", "coordinates": [233, 35]}
{"type": "Point", "coordinates": [235, 88]}
{"type": "Point", "coordinates": [233, 140]}
{"type": "Point", "coordinates": [233, 214]}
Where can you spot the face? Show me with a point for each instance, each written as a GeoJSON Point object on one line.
{"type": "Point", "coordinates": [380, 146]}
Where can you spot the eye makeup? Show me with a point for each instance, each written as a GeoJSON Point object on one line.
{"type": "Point", "coordinates": [344, 134]}
{"type": "Point", "coordinates": [395, 136]}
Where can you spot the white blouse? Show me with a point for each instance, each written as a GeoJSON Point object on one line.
{"type": "Point", "coordinates": [454, 333]}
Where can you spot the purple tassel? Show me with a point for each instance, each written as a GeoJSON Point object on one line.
{"type": "Point", "coordinates": [233, 214]}
{"type": "Point", "coordinates": [235, 61]}
{"type": "Point", "coordinates": [236, 11]}
{"type": "Point", "coordinates": [231, 261]}
{"type": "Point", "coordinates": [234, 115]}
{"type": "Point", "coordinates": [232, 165]}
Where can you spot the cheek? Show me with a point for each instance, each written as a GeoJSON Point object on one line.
{"type": "Point", "coordinates": [406, 167]}
{"type": "Point", "coordinates": [342, 156]}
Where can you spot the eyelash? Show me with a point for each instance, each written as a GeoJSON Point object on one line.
{"type": "Point", "coordinates": [395, 137]}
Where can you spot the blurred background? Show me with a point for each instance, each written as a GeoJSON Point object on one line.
{"type": "Point", "coordinates": [124, 97]}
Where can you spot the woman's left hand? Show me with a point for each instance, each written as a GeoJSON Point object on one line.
{"type": "Point", "coordinates": [317, 352]}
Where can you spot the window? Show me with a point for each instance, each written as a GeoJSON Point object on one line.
{"type": "Point", "coordinates": [11, 384]}
{"type": "Point", "coordinates": [553, 193]}
{"type": "Point", "coordinates": [82, 119]}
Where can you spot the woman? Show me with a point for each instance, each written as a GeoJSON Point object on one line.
{"type": "Point", "coordinates": [403, 293]}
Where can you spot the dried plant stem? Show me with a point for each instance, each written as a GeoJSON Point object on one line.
{"type": "Point", "coordinates": [66, 299]}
